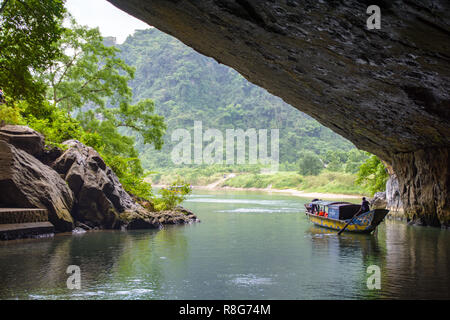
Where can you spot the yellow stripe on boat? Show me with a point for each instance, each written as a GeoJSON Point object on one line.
{"type": "Point", "coordinates": [359, 224]}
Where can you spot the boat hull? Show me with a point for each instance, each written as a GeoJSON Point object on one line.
{"type": "Point", "coordinates": [364, 223]}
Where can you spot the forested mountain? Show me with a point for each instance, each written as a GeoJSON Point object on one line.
{"type": "Point", "coordinates": [187, 86]}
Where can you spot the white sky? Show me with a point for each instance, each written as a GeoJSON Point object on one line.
{"type": "Point", "coordinates": [110, 20]}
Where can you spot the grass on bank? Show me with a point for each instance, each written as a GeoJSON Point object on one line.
{"type": "Point", "coordinates": [199, 175]}
{"type": "Point", "coordinates": [325, 182]}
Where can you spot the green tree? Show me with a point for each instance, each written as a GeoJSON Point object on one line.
{"type": "Point", "coordinates": [90, 77]}
{"type": "Point", "coordinates": [52, 122]}
{"type": "Point", "coordinates": [336, 159]}
{"type": "Point", "coordinates": [355, 159]}
{"type": "Point", "coordinates": [90, 81]}
{"type": "Point", "coordinates": [372, 175]}
{"type": "Point", "coordinates": [29, 30]}
{"type": "Point", "coordinates": [310, 164]}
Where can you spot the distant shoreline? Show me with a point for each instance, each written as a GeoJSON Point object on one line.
{"type": "Point", "coordinates": [293, 192]}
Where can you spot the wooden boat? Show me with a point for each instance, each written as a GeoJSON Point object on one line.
{"type": "Point", "coordinates": [335, 215]}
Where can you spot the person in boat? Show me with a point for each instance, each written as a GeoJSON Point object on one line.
{"type": "Point", "coordinates": [2, 96]}
{"type": "Point", "coordinates": [364, 205]}
{"type": "Point", "coordinates": [314, 207]}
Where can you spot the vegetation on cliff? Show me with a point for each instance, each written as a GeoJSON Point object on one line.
{"type": "Point", "coordinates": [372, 175]}
{"type": "Point", "coordinates": [29, 31]}
{"type": "Point", "coordinates": [76, 88]}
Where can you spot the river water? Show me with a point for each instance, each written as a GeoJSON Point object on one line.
{"type": "Point", "coordinates": [248, 246]}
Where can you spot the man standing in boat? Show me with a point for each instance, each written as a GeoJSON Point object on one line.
{"type": "Point", "coordinates": [364, 205]}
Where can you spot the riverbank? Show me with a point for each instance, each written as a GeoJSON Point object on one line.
{"type": "Point", "coordinates": [298, 193]}
{"type": "Point", "coordinates": [293, 192]}
{"type": "Point", "coordinates": [327, 185]}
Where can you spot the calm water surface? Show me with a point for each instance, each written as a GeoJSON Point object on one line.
{"type": "Point", "coordinates": [248, 246]}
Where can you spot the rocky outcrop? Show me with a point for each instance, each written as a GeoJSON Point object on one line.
{"type": "Point", "coordinates": [378, 201]}
{"type": "Point", "coordinates": [100, 200]}
{"type": "Point", "coordinates": [24, 138]}
{"type": "Point", "coordinates": [49, 155]}
{"type": "Point", "coordinates": [99, 196]}
{"type": "Point", "coordinates": [25, 182]}
{"type": "Point", "coordinates": [143, 219]}
{"type": "Point", "coordinates": [385, 90]}
{"type": "Point", "coordinates": [179, 215]}
{"type": "Point", "coordinates": [78, 189]}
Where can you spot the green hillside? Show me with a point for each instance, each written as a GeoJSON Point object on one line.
{"type": "Point", "coordinates": [187, 86]}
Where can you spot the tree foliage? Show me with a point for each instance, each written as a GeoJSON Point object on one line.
{"type": "Point", "coordinates": [344, 161]}
{"type": "Point", "coordinates": [310, 164]}
{"type": "Point", "coordinates": [90, 80]}
{"type": "Point", "coordinates": [88, 99]}
{"type": "Point", "coordinates": [29, 30]}
{"type": "Point", "coordinates": [372, 175]}
{"type": "Point", "coordinates": [88, 72]}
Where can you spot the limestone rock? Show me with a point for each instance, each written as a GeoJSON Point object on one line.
{"type": "Point", "coordinates": [176, 216]}
{"type": "Point", "coordinates": [393, 198]}
{"type": "Point", "coordinates": [378, 201]}
{"type": "Point", "coordinates": [143, 219]}
{"type": "Point", "coordinates": [424, 185]}
{"type": "Point", "coordinates": [100, 198]}
{"type": "Point", "coordinates": [27, 183]}
{"type": "Point", "coordinates": [140, 219]}
{"type": "Point", "coordinates": [49, 155]}
{"type": "Point", "coordinates": [24, 138]}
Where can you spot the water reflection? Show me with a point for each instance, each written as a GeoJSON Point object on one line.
{"type": "Point", "coordinates": [345, 244]}
{"type": "Point", "coordinates": [249, 246]}
{"type": "Point", "coordinates": [414, 261]}
{"type": "Point", "coordinates": [417, 261]}
{"type": "Point", "coordinates": [109, 261]}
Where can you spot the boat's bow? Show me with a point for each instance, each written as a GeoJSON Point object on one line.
{"type": "Point", "coordinates": [368, 221]}
{"type": "Point", "coordinates": [378, 217]}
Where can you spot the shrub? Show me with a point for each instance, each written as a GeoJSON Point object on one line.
{"type": "Point", "coordinates": [172, 196]}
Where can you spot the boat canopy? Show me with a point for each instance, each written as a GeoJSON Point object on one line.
{"type": "Point", "coordinates": [328, 203]}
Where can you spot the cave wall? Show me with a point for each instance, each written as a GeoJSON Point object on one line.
{"type": "Point", "coordinates": [385, 90]}
{"type": "Point", "coordinates": [393, 198]}
{"type": "Point", "coordinates": [424, 185]}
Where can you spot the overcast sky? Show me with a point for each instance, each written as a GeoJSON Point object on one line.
{"type": "Point", "coordinates": [102, 14]}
